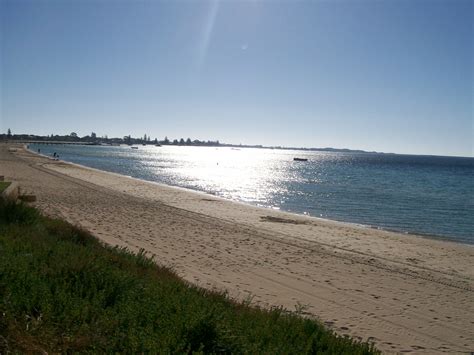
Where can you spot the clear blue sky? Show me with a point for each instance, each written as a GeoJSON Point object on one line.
{"type": "Point", "coordinates": [393, 76]}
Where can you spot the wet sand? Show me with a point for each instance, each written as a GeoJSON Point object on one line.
{"type": "Point", "coordinates": [403, 292]}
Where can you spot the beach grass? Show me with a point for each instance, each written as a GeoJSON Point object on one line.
{"type": "Point", "coordinates": [4, 185]}
{"type": "Point", "coordinates": [61, 290]}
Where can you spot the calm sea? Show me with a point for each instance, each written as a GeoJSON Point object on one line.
{"type": "Point", "coordinates": [426, 195]}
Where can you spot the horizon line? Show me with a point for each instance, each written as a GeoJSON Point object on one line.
{"type": "Point", "coordinates": [246, 145]}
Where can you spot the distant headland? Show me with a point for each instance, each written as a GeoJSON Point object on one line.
{"type": "Point", "coordinates": [93, 139]}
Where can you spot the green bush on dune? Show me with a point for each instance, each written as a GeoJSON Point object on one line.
{"type": "Point", "coordinates": [62, 290]}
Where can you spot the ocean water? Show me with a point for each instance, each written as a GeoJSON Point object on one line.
{"type": "Point", "coordinates": [426, 195]}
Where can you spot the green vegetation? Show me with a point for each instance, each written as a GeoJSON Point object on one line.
{"type": "Point", "coordinates": [4, 185]}
{"type": "Point", "coordinates": [61, 290]}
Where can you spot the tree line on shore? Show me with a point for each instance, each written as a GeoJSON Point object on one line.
{"type": "Point", "coordinates": [92, 138]}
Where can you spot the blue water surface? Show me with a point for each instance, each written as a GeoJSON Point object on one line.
{"type": "Point", "coordinates": [427, 195]}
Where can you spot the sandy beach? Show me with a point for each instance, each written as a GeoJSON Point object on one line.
{"type": "Point", "coordinates": [405, 293]}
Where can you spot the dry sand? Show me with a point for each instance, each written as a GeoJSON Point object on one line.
{"type": "Point", "coordinates": [405, 293]}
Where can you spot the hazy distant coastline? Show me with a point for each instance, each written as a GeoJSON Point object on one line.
{"type": "Point", "coordinates": [93, 139]}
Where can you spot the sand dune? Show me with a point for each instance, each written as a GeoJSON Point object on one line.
{"type": "Point", "coordinates": [405, 293]}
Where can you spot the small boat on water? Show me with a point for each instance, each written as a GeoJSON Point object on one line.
{"type": "Point", "coordinates": [300, 159]}
{"type": "Point", "coordinates": [134, 147]}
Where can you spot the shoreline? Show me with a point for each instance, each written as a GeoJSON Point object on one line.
{"type": "Point", "coordinates": [345, 223]}
{"type": "Point", "coordinates": [405, 294]}
{"type": "Point", "coordinates": [239, 146]}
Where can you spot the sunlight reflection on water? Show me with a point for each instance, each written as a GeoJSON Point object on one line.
{"type": "Point", "coordinates": [244, 175]}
